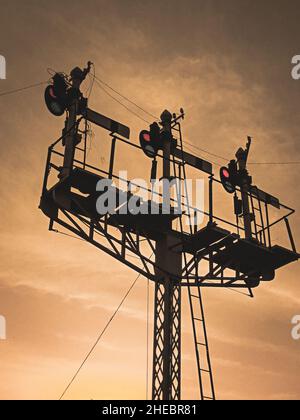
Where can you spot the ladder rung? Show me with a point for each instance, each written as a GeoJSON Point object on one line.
{"type": "Point", "coordinates": [195, 296]}
{"type": "Point", "coordinates": [205, 370]}
{"type": "Point", "coordinates": [198, 319]}
{"type": "Point", "coordinates": [208, 398]}
{"type": "Point", "coordinates": [202, 344]}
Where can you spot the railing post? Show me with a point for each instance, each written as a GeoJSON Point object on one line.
{"type": "Point", "coordinates": [268, 225]}
{"type": "Point", "coordinates": [211, 217]}
{"type": "Point", "coordinates": [112, 158]}
{"type": "Point", "coordinates": [47, 170]}
{"type": "Point", "coordinates": [290, 234]}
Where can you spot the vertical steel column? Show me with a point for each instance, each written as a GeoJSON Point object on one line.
{"type": "Point", "coordinates": [242, 157]}
{"type": "Point", "coordinates": [70, 140]}
{"type": "Point", "coordinates": [166, 379]}
{"type": "Point", "coordinates": [246, 210]}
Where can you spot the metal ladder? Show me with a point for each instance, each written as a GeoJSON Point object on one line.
{"type": "Point", "coordinates": [261, 224]}
{"type": "Point", "coordinates": [205, 374]}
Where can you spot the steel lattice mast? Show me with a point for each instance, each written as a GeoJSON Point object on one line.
{"type": "Point", "coordinates": [167, 305]}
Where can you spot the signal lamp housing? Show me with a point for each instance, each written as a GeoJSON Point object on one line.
{"type": "Point", "coordinates": [56, 95]}
{"type": "Point", "coordinates": [149, 146]}
{"type": "Point", "coordinates": [226, 180]}
{"type": "Point", "coordinates": [53, 103]}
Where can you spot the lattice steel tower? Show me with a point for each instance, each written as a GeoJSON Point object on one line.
{"type": "Point", "coordinates": [203, 255]}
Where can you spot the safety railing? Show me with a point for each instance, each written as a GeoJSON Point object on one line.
{"type": "Point", "coordinates": [262, 233]}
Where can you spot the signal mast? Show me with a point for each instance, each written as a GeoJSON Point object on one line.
{"type": "Point", "coordinates": [241, 256]}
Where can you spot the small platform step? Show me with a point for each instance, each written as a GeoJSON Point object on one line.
{"type": "Point", "coordinates": [84, 181]}
{"type": "Point", "coordinates": [205, 237]}
{"type": "Point", "coordinates": [249, 257]}
{"type": "Point", "coordinates": [284, 256]}
{"type": "Point", "coordinates": [78, 194]}
{"type": "Point", "coordinates": [151, 225]}
{"type": "Point", "coordinates": [218, 246]}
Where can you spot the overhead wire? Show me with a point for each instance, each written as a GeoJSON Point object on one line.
{"type": "Point", "coordinates": [99, 338]}
{"type": "Point", "coordinates": [67, 234]}
{"type": "Point", "coordinates": [206, 151]}
{"type": "Point", "coordinates": [106, 327]}
{"type": "Point", "coordinates": [126, 98]}
{"type": "Point", "coordinates": [249, 163]}
{"type": "Point", "coordinates": [192, 151]}
{"type": "Point", "coordinates": [274, 163]}
{"type": "Point", "coordinates": [93, 76]}
{"type": "Point", "coordinates": [100, 81]}
{"type": "Point", "coordinates": [10, 92]}
{"type": "Point", "coordinates": [120, 103]}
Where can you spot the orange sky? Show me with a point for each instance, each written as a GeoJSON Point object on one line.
{"type": "Point", "coordinates": [228, 64]}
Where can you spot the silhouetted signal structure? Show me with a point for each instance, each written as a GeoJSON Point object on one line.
{"type": "Point", "coordinates": [240, 256]}
{"type": "Point", "coordinates": [56, 97]}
